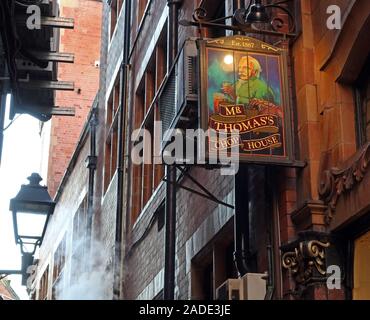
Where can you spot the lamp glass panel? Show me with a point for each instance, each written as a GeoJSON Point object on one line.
{"type": "Point", "coordinates": [30, 224]}
{"type": "Point", "coordinates": [33, 207]}
{"type": "Point", "coordinates": [29, 247]}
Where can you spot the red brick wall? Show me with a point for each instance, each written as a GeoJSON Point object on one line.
{"type": "Point", "coordinates": [84, 42]}
{"type": "Point", "coordinates": [5, 293]}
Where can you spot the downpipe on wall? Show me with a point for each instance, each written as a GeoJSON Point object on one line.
{"type": "Point", "coordinates": [117, 262]}
{"type": "Point", "coordinates": [170, 209]}
{"type": "Point", "coordinates": [91, 165]}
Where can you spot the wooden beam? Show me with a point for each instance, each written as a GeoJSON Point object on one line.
{"type": "Point", "coordinates": [54, 56]}
{"type": "Point", "coordinates": [55, 22]}
{"type": "Point", "coordinates": [54, 85]}
{"type": "Point", "coordinates": [63, 111]}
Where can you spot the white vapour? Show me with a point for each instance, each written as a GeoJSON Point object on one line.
{"type": "Point", "coordinates": [90, 276]}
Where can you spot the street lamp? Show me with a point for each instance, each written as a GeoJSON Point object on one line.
{"type": "Point", "coordinates": [31, 210]}
{"type": "Point", "coordinates": [257, 13]}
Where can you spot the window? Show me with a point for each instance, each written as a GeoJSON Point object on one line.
{"type": "Point", "coordinates": [115, 9]}
{"type": "Point", "coordinates": [147, 177]}
{"type": "Point", "coordinates": [79, 244]}
{"type": "Point", "coordinates": [141, 5]}
{"type": "Point", "coordinates": [363, 105]}
{"type": "Point", "coordinates": [59, 262]}
{"type": "Point", "coordinates": [215, 9]}
{"type": "Point", "coordinates": [43, 289]}
{"type": "Point", "coordinates": [111, 146]}
{"type": "Point", "coordinates": [212, 267]}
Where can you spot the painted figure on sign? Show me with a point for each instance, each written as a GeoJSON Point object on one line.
{"type": "Point", "coordinates": [249, 85]}
{"type": "Point", "coordinates": [251, 90]}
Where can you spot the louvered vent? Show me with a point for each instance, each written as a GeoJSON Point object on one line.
{"type": "Point", "coordinates": [167, 106]}
{"type": "Point", "coordinates": [193, 77]}
{"type": "Point", "coordinates": [187, 75]}
{"type": "Point", "coordinates": [181, 90]}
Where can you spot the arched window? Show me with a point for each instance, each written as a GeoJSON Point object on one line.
{"type": "Point", "coordinates": [363, 105]}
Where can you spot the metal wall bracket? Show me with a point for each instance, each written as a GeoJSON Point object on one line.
{"type": "Point", "coordinates": [238, 22]}
{"type": "Point", "coordinates": [205, 194]}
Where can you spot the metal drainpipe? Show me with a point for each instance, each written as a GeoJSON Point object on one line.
{"type": "Point", "coordinates": [120, 163]}
{"type": "Point", "coordinates": [241, 217]}
{"type": "Point", "coordinates": [3, 95]}
{"type": "Point", "coordinates": [270, 281]}
{"type": "Point", "coordinates": [241, 221]}
{"type": "Point", "coordinates": [170, 213]}
{"type": "Point", "coordinates": [91, 165]}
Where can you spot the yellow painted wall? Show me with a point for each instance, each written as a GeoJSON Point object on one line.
{"type": "Point", "coordinates": [361, 290]}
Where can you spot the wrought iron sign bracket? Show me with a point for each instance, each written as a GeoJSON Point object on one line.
{"type": "Point", "coordinates": [256, 18]}
{"type": "Point", "coordinates": [205, 194]}
{"type": "Point", "coordinates": [5, 273]}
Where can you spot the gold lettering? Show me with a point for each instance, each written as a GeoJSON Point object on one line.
{"type": "Point", "coordinates": [235, 140]}
{"type": "Point", "coordinates": [256, 123]}
{"type": "Point", "coordinates": [230, 111]}
{"type": "Point", "coordinates": [269, 140]}
{"type": "Point", "coordinates": [271, 120]}
{"type": "Point", "coordinates": [246, 125]}
{"type": "Point", "coordinates": [223, 143]}
{"type": "Point", "coordinates": [262, 143]}
{"type": "Point", "coordinates": [218, 126]}
{"type": "Point", "coordinates": [238, 126]}
{"type": "Point", "coordinates": [251, 146]}
{"type": "Point", "coordinates": [228, 127]}
{"type": "Point", "coordinates": [257, 144]}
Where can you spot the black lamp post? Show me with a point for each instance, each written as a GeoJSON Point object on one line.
{"type": "Point", "coordinates": [31, 210]}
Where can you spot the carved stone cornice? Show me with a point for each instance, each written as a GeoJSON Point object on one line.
{"type": "Point", "coordinates": [337, 181]}
{"type": "Point", "coordinates": [310, 216]}
{"type": "Point", "coordinates": [306, 258]}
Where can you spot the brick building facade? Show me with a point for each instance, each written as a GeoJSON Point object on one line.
{"type": "Point", "coordinates": [84, 42]}
{"type": "Point", "coordinates": [6, 291]}
{"type": "Point", "coordinates": [297, 222]}
{"type": "Point", "coordinates": [65, 147]}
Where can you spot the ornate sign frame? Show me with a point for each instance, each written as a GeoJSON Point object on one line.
{"type": "Point", "coordinates": [244, 86]}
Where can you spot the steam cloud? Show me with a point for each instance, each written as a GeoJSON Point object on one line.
{"type": "Point", "coordinates": [90, 276]}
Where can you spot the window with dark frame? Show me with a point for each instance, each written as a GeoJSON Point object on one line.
{"type": "Point", "coordinates": [43, 289]}
{"type": "Point", "coordinates": [147, 177]}
{"type": "Point", "coordinates": [111, 140]}
{"type": "Point", "coordinates": [79, 241]}
{"type": "Point", "coordinates": [362, 89]}
{"type": "Point", "coordinates": [213, 265]}
{"type": "Point", "coordinates": [141, 6]}
{"type": "Point", "coordinates": [59, 263]}
{"type": "Point", "coordinates": [115, 9]}
{"type": "Point", "coordinates": [215, 9]}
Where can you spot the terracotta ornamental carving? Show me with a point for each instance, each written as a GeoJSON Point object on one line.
{"type": "Point", "coordinates": [306, 259]}
{"type": "Point", "coordinates": [337, 181]}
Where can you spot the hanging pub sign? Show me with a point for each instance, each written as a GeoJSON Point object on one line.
{"type": "Point", "coordinates": [244, 99]}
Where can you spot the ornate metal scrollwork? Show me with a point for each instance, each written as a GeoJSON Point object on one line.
{"type": "Point", "coordinates": [278, 23]}
{"type": "Point", "coordinates": [307, 259]}
{"type": "Point", "coordinates": [275, 26]}
{"type": "Point", "coordinates": [335, 182]}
